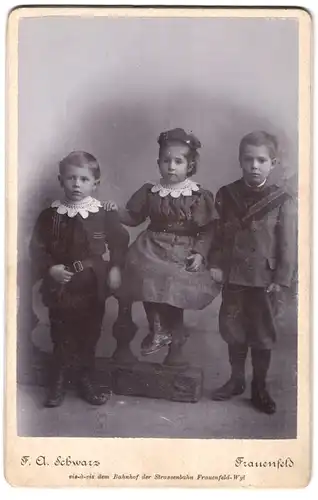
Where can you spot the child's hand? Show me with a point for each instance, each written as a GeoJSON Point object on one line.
{"type": "Point", "coordinates": [60, 274]}
{"type": "Point", "coordinates": [273, 287]}
{"type": "Point", "coordinates": [194, 262]}
{"type": "Point", "coordinates": [216, 274]}
{"type": "Point", "coordinates": [114, 278]}
{"type": "Point", "coordinates": [110, 206]}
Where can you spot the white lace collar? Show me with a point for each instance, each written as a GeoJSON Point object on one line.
{"type": "Point", "coordinates": [184, 188]}
{"type": "Point", "coordinates": [83, 207]}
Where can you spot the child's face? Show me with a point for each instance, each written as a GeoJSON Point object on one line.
{"type": "Point", "coordinates": [256, 164]}
{"type": "Point", "coordinates": [77, 182]}
{"type": "Point", "coordinates": [173, 162]}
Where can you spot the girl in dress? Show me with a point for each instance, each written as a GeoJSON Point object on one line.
{"type": "Point", "coordinates": [166, 267]}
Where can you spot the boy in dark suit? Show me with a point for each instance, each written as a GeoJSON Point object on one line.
{"type": "Point", "coordinates": [258, 240]}
{"type": "Point", "coordinates": [67, 248]}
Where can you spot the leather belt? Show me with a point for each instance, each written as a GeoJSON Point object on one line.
{"type": "Point", "coordinates": [80, 265]}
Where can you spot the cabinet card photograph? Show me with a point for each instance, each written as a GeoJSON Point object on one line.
{"type": "Point", "coordinates": [158, 247]}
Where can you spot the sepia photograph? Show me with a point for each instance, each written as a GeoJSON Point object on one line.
{"type": "Point", "coordinates": [158, 246]}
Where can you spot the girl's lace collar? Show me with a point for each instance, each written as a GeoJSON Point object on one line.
{"type": "Point", "coordinates": [184, 188]}
{"type": "Point", "coordinates": [84, 207]}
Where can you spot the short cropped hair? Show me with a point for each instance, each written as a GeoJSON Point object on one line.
{"type": "Point", "coordinates": [81, 159]}
{"type": "Point", "coordinates": [260, 138]}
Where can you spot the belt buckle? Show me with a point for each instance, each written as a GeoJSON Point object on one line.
{"type": "Point", "coordinates": [78, 266]}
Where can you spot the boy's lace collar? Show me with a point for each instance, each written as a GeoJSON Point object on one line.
{"type": "Point", "coordinates": [184, 188]}
{"type": "Point", "coordinates": [84, 207]}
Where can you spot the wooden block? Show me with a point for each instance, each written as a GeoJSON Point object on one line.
{"type": "Point", "coordinates": [152, 380]}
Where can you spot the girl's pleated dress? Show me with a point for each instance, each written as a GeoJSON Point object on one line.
{"type": "Point", "coordinates": [181, 224]}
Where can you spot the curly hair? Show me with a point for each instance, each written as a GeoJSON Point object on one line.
{"type": "Point", "coordinates": [179, 136]}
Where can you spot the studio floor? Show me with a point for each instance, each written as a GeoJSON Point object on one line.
{"type": "Point", "coordinates": [124, 416]}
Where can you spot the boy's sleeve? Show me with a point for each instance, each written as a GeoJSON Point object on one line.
{"type": "Point", "coordinates": [286, 243]}
{"type": "Point", "coordinates": [117, 238]}
{"type": "Point", "coordinates": [41, 260]}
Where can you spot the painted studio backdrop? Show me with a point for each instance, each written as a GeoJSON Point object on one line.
{"type": "Point", "coordinates": [111, 85]}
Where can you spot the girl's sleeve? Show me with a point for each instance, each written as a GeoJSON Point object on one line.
{"type": "Point", "coordinates": [138, 205]}
{"type": "Point", "coordinates": [204, 210]}
{"type": "Point", "coordinates": [41, 260]}
{"type": "Point", "coordinates": [117, 239]}
{"type": "Point", "coordinates": [205, 217]}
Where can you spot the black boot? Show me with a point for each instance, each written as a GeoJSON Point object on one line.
{"type": "Point", "coordinates": [236, 384]}
{"type": "Point", "coordinates": [159, 337]}
{"type": "Point", "coordinates": [155, 343]}
{"type": "Point", "coordinates": [56, 391]}
{"type": "Point", "coordinates": [261, 398]}
{"type": "Point", "coordinates": [90, 393]}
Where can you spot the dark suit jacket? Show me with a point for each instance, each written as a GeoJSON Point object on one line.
{"type": "Point", "coordinates": [59, 239]}
{"type": "Point", "coordinates": [263, 252]}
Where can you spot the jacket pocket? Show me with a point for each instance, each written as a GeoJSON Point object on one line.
{"type": "Point", "coordinates": [271, 262]}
